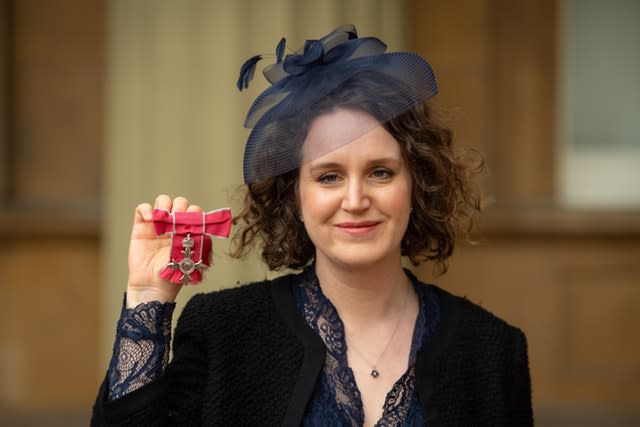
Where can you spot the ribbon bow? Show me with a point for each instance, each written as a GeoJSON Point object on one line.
{"type": "Point", "coordinates": [340, 46]}
{"type": "Point", "coordinates": [315, 52]}
{"type": "Point", "coordinates": [311, 57]}
{"type": "Point", "coordinates": [191, 234]}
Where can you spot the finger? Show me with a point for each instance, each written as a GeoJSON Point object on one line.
{"type": "Point", "coordinates": [194, 208]}
{"type": "Point", "coordinates": [163, 202]}
{"type": "Point", "coordinates": [180, 204]}
{"type": "Point", "coordinates": [143, 213]}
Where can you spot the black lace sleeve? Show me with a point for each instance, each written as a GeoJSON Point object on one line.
{"type": "Point", "coordinates": [141, 351]}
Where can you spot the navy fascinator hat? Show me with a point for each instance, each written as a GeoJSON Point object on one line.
{"type": "Point", "coordinates": [339, 70]}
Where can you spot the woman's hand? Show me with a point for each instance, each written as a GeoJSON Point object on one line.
{"type": "Point", "coordinates": [149, 253]}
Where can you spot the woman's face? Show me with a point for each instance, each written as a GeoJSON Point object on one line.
{"type": "Point", "coordinates": [355, 200]}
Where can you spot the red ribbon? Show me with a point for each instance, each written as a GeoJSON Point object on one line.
{"type": "Point", "coordinates": [191, 234]}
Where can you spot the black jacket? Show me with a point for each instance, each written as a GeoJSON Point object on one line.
{"type": "Point", "coordinates": [245, 357]}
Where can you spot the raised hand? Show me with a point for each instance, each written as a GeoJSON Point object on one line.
{"type": "Point", "coordinates": [149, 253]}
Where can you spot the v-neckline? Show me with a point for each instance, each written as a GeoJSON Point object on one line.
{"type": "Point", "coordinates": [322, 316]}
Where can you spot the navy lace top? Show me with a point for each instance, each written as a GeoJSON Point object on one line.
{"type": "Point", "coordinates": [336, 400]}
{"type": "Point", "coordinates": [142, 348]}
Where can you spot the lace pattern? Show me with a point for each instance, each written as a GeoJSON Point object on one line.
{"type": "Point", "coordinates": [338, 377]}
{"type": "Point", "coordinates": [337, 400]}
{"type": "Point", "coordinates": [141, 350]}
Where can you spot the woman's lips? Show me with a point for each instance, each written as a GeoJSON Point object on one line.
{"type": "Point", "coordinates": [357, 228]}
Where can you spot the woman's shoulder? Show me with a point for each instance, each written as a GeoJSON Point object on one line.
{"type": "Point", "coordinates": [477, 362]}
{"type": "Point", "coordinates": [471, 312]}
{"type": "Point", "coordinates": [238, 296]}
{"type": "Point", "coordinates": [468, 331]}
{"type": "Point", "coordinates": [462, 318]}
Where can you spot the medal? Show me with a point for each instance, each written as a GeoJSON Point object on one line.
{"type": "Point", "coordinates": [191, 234]}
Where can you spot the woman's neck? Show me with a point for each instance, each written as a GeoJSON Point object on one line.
{"type": "Point", "coordinates": [366, 293]}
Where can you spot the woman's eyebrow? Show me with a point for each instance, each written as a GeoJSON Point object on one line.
{"type": "Point", "coordinates": [385, 160]}
{"type": "Point", "coordinates": [334, 165]}
{"type": "Point", "coordinates": [324, 165]}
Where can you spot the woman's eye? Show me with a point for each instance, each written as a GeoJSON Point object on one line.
{"type": "Point", "coordinates": [382, 173]}
{"type": "Point", "coordinates": [328, 178]}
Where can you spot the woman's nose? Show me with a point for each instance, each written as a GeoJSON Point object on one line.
{"type": "Point", "coordinates": [355, 197]}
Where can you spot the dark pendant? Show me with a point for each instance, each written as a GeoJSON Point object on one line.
{"type": "Point", "coordinates": [374, 373]}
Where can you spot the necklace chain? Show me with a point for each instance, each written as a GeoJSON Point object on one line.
{"type": "Point", "coordinates": [374, 366]}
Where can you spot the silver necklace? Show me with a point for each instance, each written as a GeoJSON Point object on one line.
{"type": "Point", "coordinates": [374, 369]}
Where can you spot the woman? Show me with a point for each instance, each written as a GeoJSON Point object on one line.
{"type": "Point", "coordinates": [346, 172]}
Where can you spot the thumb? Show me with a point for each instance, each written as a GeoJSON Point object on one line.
{"type": "Point", "coordinates": [143, 213]}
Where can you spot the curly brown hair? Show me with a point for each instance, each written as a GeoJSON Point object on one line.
{"type": "Point", "coordinates": [444, 197]}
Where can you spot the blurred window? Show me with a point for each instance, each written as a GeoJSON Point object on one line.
{"type": "Point", "coordinates": [600, 79]}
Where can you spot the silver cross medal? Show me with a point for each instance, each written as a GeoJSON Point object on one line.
{"type": "Point", "coordinates": [187, 265]}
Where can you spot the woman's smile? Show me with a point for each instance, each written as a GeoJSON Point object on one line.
{"type": "Point", "coordinates": [358, 229]}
